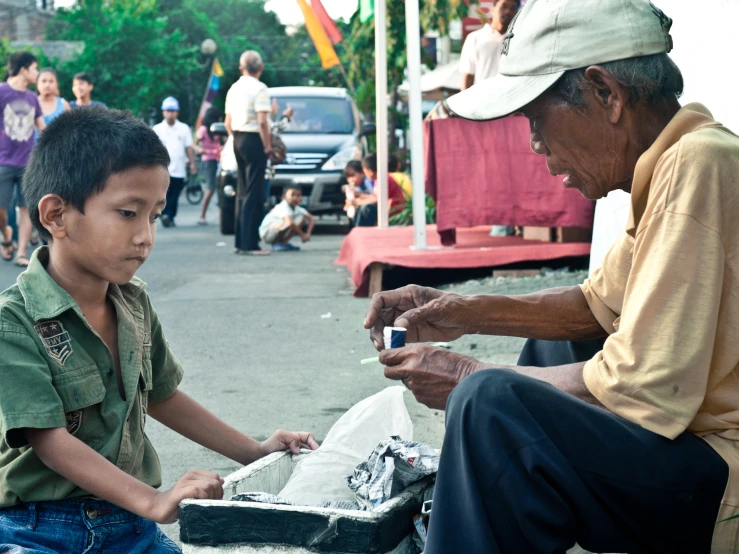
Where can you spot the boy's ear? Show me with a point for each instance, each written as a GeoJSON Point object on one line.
{"type": "Point", "coordinates": [51, 211]}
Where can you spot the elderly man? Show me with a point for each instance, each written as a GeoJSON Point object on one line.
{"type": "Point", "coordinates": [247, 119]}
{"type": "Point", "coordinates": [624, 439]}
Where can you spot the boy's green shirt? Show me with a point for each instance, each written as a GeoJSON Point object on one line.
{"type": "Point", "coordinates": [55, 371]}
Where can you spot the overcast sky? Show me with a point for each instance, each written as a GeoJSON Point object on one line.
{"type": "Point", "coordinates": [290, 14]}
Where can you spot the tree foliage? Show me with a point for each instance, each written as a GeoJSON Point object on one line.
{"type": "Point", "coordinates": [133, 56]}
{"type": "Point", "coordinates": [141, 51]}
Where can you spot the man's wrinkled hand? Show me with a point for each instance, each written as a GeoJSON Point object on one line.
{"type": "Point", "coordinates": [288, 440]}
{"type": "Point", "coordinates": [429, 372]}
{"type": "Point", "coordinates": [428, 314]}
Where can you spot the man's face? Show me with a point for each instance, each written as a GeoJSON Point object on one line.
{"type": "Point", "coordinates": [81, 89]}
{"type": "Point", "coordinates": [504, 11]}
{"type": "Point", "coordinates": [580, 143]}
{"type": "Point", "coordinates": [354, 179]}
{"type": "Point", "coordinates": [30, 73]}
{"type": "Point", "coordinates": [293, 197]}
{"type": "Point", "coordinates": [170, 116]}
{"type": "Point", "coordinates": [115, 235]}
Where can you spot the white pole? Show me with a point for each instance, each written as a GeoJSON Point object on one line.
{"type": "Point", "coordinates": [412, 27]}
{"type": "Point", "coordinates": [381, 110]}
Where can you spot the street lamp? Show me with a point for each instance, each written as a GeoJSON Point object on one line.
{"type": "Point", "coordinates": [208, 47]}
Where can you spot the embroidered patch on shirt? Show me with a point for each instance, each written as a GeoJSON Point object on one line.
{"type": "Point", "coordinates": [74, 421]}
{"type": "Point", "coordinates": [56, 340]}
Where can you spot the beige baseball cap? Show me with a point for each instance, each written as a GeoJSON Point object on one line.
{"type": "Point", "coordinates": [549, 37]}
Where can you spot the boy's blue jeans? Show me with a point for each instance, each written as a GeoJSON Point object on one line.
{"type": "Point", "coordinates": [79, 527]}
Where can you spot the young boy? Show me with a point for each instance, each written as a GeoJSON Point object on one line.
{"type": "Point", "coordinates": [366, 204]}
{"type": "Point", "coordinates": [84, 359]}
{"type": "Point", "coordinates": [287, 219]}
{"type": "Point", "coordinates": [82, 87]}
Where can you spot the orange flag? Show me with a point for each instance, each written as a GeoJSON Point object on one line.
{"type": "Point", "coordinates": [320, 38]}
{"type": "Point", "coordinates": [326, 22]}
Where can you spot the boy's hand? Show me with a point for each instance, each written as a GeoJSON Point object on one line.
{"type": "Point", "coordinates": [204, 485]}
{"type": "Point", "coordinates": [288, 440]}
{"type": "Point", "coordinates": [306, 237]}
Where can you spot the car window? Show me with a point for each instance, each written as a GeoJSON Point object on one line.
{"type": "Point", "coordinates": [318, 115]}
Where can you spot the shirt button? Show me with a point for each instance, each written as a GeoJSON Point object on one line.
{"type": "Point", "coordinates": [92, 513]}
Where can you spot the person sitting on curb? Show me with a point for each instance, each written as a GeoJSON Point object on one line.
{"type": "Point", "coordinates": [287, 219]}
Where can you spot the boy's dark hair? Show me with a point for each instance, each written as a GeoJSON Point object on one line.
{"type": "Point", "coordinates": [20, 60]}
{"type": "Point", "coordinates": [352, 167]}
{"type": "Point", "coordinates": [84, 76]}
{"type": "Point", "coordinates": [370, 162]}
{"type": "Point", "coordinates": [393, 164]}
{"type": "Point", "coordinates": [291, 186]}
{"type": "Point", "coordinates": [79, 151]}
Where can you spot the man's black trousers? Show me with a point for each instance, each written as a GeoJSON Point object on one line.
{"type": "Point", "coordinates": [252, 163]}
{"type": "Point", "coordinates": [176, 184]}
{"type": "Point", "coordinates": [526, 468]}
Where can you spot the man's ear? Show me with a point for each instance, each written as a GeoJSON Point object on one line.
{"type": "Point", "coordinates": [51, 211]}
{"type": "Point", "coordinates": [606, 91]}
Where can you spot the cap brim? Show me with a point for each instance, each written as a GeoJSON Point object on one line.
{"type": "Point", "coordinates": [500, 95]}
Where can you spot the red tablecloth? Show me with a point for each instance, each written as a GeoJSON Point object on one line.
{"type": "Point", "coordinates": [484, 173]}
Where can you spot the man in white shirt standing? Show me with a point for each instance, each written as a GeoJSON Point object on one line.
{"type": "Point", "coordinates": [177, 137]}
{"type": "Point", "coordinates": [247, 119]}
{"type": "Point", "coordinates": [482, 48]}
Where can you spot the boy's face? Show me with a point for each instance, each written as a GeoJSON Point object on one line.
{"type": "Point", "coordinates": [81, 89]}
{"type": "Point", "coordinates": [354, 179]}
{"type": "Point", "coordinates": [31, 73]}
{"type": "Point", "coordinates": [115, 235]}
{"type": "Point", "coordinates": [293, 197]}
{"type": "Point", "coordinates": [372, 175]}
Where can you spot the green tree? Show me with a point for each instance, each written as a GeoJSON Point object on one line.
{"type": "Point", "coordinates": [135, 58]}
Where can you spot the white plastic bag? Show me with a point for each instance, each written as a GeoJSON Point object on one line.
{"type": "Point", "coordinates": [321, 477]}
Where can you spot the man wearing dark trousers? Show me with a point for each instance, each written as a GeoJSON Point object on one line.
{"type": "Point", "coordinates": [247, 119]}
{"type": "Point", "coordinates": [627, 442]}
{"type": "Point", "coordinates": [177, 137]}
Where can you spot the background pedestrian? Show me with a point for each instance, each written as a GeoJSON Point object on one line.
{"type": "Point", "coordinates": [20, 114]}
{"type": "Point", "coordinates": [211, 147]}
{"type": "Point", "coordinates": [177, 137]}
{"type": "Point", "coordinates": [247, 119]}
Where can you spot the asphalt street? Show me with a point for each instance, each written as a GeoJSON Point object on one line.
{"type": "Point", "coordinates": [275, 342]}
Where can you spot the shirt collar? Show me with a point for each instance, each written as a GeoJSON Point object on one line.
{"type": "Point", "coordinates": [687, 120]}
{"type": "Point", "coordinates": [45, 299]}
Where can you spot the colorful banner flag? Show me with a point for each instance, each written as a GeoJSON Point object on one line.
{"type": "Point", "coordinates": [366, 10]}
{"type": "Point", "coordinates": [320, 38]}
{"type": "Point", "coordinates": [326, 22]}
{"type": "Point", "coordinates": [214, 85]}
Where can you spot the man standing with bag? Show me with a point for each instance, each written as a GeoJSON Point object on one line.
{"type": "Point", "coordinates": [247, 119]}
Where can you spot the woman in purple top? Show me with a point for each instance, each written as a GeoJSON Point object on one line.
{"type": "Point", "coordinates": [210, 146]}
{"type": "Point", "coordinates": [20, 114]}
